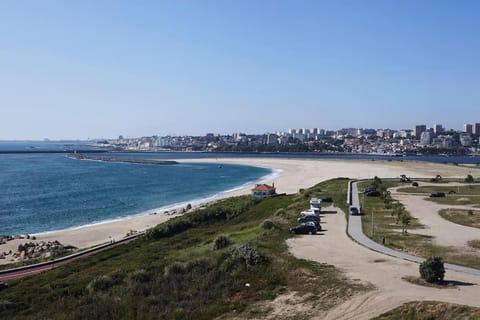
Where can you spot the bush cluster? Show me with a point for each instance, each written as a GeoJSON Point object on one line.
{"type": "Point", "coordinates": [248, 255]}
{"type": "Point", "coordinates": [268, 224]}
{"type": "Point", "coordinates": [221, 242]}
{"type": "Point", "coordinates": [432, 270]}
{"type": "Point", "coordinates": [100, 283]}
{"type": "Point", "coordinates": [224, 210]}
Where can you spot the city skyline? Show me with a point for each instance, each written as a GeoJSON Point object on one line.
{"type": "Point", "coordinates": [79, 70]}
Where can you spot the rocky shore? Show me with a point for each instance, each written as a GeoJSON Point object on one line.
{"type": "Point", "coordinates": [33, 250]}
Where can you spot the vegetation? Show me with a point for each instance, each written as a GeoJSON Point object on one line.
{"type": "Point", "coordinates": [469, 179]}
{"type": "Point", "coordinates": [455, 195]}
{"type": "Point", "coordinates": [388, 215]}
{"type": "Point", "coordinates": [390, 227]}
{"type": "Point", "coordinates": [432, 270]}
{"type": "Point", "coordinates": [470, 218]}
{"type": "Point", "coordinates": [221, 242]}
{"type": "Point", "coordinates": [474, 244]}
{"type": "Point", "coordinates": [431, 310]}
{"type": "Point", "coordinates": [175, 273]}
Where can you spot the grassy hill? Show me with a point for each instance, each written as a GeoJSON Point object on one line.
{"type": "Point", "coordinates": [229, 259]}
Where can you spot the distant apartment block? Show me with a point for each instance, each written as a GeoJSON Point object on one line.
{"type": "Point", "coordinates": [426, 138]}
{"type": "Point", "coordinates": [476, 128]}
{"type": "Point", "coordinates": [437, 129]}
{"type": "Point", "coordinates": [417, 131]}
{"type": "Point", "coordinates": [468, 128]}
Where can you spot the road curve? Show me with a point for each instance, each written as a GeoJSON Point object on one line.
{"type": "Point", "coordinates": [28, 270]}
{"type": "Point", "coordinates": [356, 232]}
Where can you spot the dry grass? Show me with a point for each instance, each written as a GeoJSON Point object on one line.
{"type": "Point", "coordinates": [470, 218]}
{"type": "Point", "coordinates": [431, 310]}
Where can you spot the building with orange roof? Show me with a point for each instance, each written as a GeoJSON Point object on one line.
{"type": "Point", "coordinates": [263, 190]}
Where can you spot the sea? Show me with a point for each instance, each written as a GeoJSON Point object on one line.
{"type": "Point", "coordinates": [47, 192]}
{"type": "Point", "coordinates": [43, 192]}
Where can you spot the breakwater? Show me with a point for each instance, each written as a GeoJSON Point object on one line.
{"type": "Point", "coordinates": [80, 156]}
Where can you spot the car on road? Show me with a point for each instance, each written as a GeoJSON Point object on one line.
{"type": "Point", "coordinates": [304, 228]}
{"type": "Point", "coordinates": [437, 195]}
{"type": "Point", "coordinates": [373, 193]}
{"type": "Point", "coordinates": [354, 211]}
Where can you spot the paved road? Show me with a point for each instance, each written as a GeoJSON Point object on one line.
{"type": "Point", "coordinates": [26, 271]}
{"type": "Point", "coordinates": [356, 232]}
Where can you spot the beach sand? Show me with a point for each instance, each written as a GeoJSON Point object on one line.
{"type": "Point", "coordinates": [293, 175]}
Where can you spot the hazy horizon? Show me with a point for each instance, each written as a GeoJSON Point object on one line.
{"type": "Point", "coordinates": [103, 69]}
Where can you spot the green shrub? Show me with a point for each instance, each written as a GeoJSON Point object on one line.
{"type": "Point", "coordinates": [175, 268]}
{"type": "Point", "coordinates": [248, 255]}
{"type": "Point", "coordinates": [221, 242]}
{"type": "Point", "coordinates": [268, 224]}
{"type": "Point", "coordinates": [100, 283]}
{"type": "Point", "coordinates": [415, 184]}
{"type": "Point", "coordinates": [469, 179]}
{"type": "Point", "coordinates": [432, 270]}
{"type": "Point", "coordinates": [140, 275]}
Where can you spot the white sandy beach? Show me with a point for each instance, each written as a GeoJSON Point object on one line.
{"type": "Point", "coordinates": [294, 174]}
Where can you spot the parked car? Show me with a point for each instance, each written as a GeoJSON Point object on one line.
{"type": "Point", "coordinates": [373, 193]}
{"type": "Point", "coordinates": [308, 212]}
{"type": "Point", "coordinates": [327, 199]}
{"type": "Point", "coordinates": [437, 195]}
{"type": "Point", "coordinates": [354, 211]}
{"type": "Point", "coordinates": [369, 189]}
{"type": "Point", "coordinates": [314, 219]}
{"type": "Point", "coordinates": [309, 219]}
{"type": "Point", "coordinates": [304, 228]}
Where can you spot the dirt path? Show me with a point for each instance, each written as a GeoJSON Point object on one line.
{"type": "Point", "coordinates": [384, 272]}
{"type": "Point", "coordinates": [445, 233]}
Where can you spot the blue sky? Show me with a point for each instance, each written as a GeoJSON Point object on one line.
{"type": "Point", "coordinates": [103, 68]}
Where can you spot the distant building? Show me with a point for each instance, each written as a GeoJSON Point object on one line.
{"type": "Point", "coordinates": [467, 128]}
{"type": "Point", "coordinates": [263, 190]}
{"type": "Point", "coordinates": [476, 129]}
{"type": "Point", "coordinates": [426, 138]}
{"type": "Point", "coordinates": [272, 138]}
{"type": "Point", "coordinates": [437, 129]}
{"type": "Point", "coordinates": [292, 131]}
{"type": "Point", "coordinates": [417, 131]}
{"type": "Point", "coordinates": [466, 140]}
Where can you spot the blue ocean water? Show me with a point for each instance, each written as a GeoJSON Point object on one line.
{"type": "Point", "coordinates": [45, 192]}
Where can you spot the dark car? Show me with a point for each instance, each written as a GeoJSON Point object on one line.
{"type": "Point", "coordinates": [373, 193]}
{"type": "Point", "coordinates": [304, 228]}
{"type": "Point", "coordinates": [311, 218]}
{"type": "Point", "coordinates": [437, 195]}
{"type": "Point", "coordinates": [327, 199]}
{"type": "Point", "coordinates": [354, 211]}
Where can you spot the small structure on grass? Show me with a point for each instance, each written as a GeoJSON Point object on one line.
{"type": "Point", "coordinates": [264, 190]}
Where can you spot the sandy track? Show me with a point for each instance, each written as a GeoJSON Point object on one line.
{"type": "Point", "coordinates": [445, 233]}
{"type": "Point", "coordinates": [384, 272]}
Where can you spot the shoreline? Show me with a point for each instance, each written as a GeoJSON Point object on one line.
{"type": "Point", "coordinates": [289, 175]}
{"type": "Point", "coordinates": [96, 233]}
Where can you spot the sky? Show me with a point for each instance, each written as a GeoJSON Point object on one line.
{"type": "Point", "coordinates": [99, 69]}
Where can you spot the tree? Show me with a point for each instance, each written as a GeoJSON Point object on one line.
{"type": "Point", "coordinates": [405, 220]}
{"type": "Point", "coordinates": [469, 179]}
{"type": "Point", "coordinates": [432, 270]}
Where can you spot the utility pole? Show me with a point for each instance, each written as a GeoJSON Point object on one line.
{"type": "Point", "coordinates": [373, 230]}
